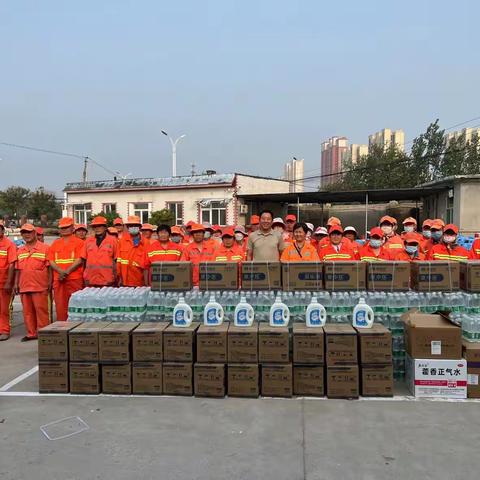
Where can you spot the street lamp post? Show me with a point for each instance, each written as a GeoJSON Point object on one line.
{"type": "Point", "coordinates": [174, 151]}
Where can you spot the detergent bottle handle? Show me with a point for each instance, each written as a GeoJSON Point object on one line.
{"type": "Point", "coordinates": [285, 314]}
{"type": "Point", "coordinates": [220, 314]}
{"type": "Point", "coordinates": [188, 314]}
{"type": "Point", "coordinates": [250, 313]}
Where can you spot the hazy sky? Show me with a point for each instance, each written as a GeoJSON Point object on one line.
{"type": "Point", "coordinates": [250, 83]}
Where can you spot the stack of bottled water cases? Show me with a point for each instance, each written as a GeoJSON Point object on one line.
{"type": "Point", "coordinates": [141, 304]}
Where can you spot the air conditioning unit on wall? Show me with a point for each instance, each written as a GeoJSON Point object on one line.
{"type": "Point", "coordinates": [243, 209]}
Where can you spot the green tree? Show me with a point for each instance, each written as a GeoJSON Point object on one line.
{"type": "Point", "coordinates": [14, 201]}
{"type": "Point", "coordinates": [164, 216]}
{"type": "Point", "coordinates": [109, 216]}
{"type": "Point", "coordinates": [472, 156]}
{"type": "Point", "coordinates": [43, 203]}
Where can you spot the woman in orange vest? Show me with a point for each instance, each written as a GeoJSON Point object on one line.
{"type": "Point", "coordinates": [374, 250]}
{"type": "Point", "coordinates": [339, 248]}
{"type": "Point", "coordinates": [412, 251]}
{"type": "Point", "coordinates": [66, 255]}
{"type": "Point", "coordinates": [228, 250]}
{"type": "Point", "coordinates": [33, 281]}
{"type": "Point", "coordinates": [299, 250]}
{"type": "Point", "coordinates": [447, 249]}
{"type": "Point", "coordinates": [100, 256]}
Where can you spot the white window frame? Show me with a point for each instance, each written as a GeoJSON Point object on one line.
{"type": "Point", "coordinates": [178, 218]}
{"type": "Point", "coordinates": [82, 215]}
{"type": "Point", "coordinates": [212, 210]}
{"type": "Point", "coordinates": [107, 207]}
{"type": "Point", "coordinates": [143, 213]}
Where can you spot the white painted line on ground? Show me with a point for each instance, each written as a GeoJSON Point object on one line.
{"type": "Point", "coordinates": [19, 379]}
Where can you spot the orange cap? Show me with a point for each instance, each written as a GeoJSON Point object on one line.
{"type": "Point", "coordinates": [217, 228]}
{"type": "Point", "coordinates": [376, 232]}
{"type": "Point", "coordinates": [80, 226]}
{"type": "Point", "coordinates": [39, 230]}
{"type": "Point", "coordinates": [112, 231]}
{"type": "Point", "coordinates": [254, 220]}
{"type": "Point", "coordinates": [290, 218]}
{"type": "Point", "coordinates": [409, 220]}
{"type": "Point", "coordinates": [228, 232]}
{"type": "Point", "coordinates": [27, 227]}
{"type": "Point", "coordinates": [333, 221]}
{"type": "Point", "coordinates": [450, 227]}
{"type": "Point", "coordinates": [410, 237]}
{"type": "Point", "coordinates": [99, 222]}
{"type": "Point", "coordinates": [197, 227]}
{"type": "Point", "coordinates": [440, 221]}
{"type": "Point", "coordinates": [176, 231]}
{"type": "Point", "coordinates": [388, 219]}
{"type": "Point", "coordinates": [133, 220]}
{"type": "Point", "coordinates": [190, 223]}
{"type": "Point", "coordinates": [118, 221]}
{"type": "Point", "coordinates": [148, 226]}
{"type": "Point", "coordinates": [335, 228]}
{"type": "Point", "coordinates": [437, 224]}
{"type": "Point", "coordinates": [427, 223]}
{"type": "Point", "coordinates": [65, 222]}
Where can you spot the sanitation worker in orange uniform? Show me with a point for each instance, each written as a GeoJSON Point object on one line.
{"type": "Point", "coordinates": [228, 250]}
{"type": "Point", "coordinates": [374, 250]}
{"type": "Point", "coordinates": [100, 256]}
{"type": "Point", "coordinates": [393, 241]}
{"type": "Point", "coordinates": [33, 281]}
{"type": "Point", "coordinates": [412, 251]}
{"type": "Point", "coordinates": [339, 249]}
{"type": "Point", "coordinates": [447, 249]}
{"type": "Point", "coordinates": [81, 231]}
{"type": "Point", "coordinates": [66, 256]}
{"type": "Point", "coordinates": [197, 251]}
{"type": "Point", "coordinates": [8, 257]}
{"type": "Point", "coordinates": [299, 250]}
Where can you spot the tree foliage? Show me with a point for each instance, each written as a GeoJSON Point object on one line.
{"type": "Point", "coordinates": [43, 205]}
{"type": "Point", "coordinates": [14, 201]}
{"type": "Point", "coordinates": [164, 216]}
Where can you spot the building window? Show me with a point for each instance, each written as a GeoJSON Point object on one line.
{"type": "Point", "coordinates": [142, 210]}
{"type": "Point", "coordinates": [214, 213]}
{"type": "Point", "coordinates": [449, 209]}
{"type": "Point", "coordinates": [82, 212]}
{"type": "Point", "coordinates": [109, 208]}
{"type": "Point", "coordinates": [177, 210]}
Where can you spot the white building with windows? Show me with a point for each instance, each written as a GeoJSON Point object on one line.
{"type": "Point", "coordinates": [201, 198]}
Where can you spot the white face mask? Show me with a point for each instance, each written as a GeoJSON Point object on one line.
{"type": "Point", "coordinates": [427, 234]}
{"type": "Point", "coordinates": [375, 243]}
{"type": "Point", "coordinates": [411, 249]}
{"type": "Point", "coordinates": [409, 228]}
{"type": "Point", "coordinates": [238, 237]}
{"type": "Point", "coordinates": [133, 230]}
{"type": "Point", "coordinates": [207, 235]}
{"type": "Point", "coordinates": [449, 238]}
{"type": "Point", "coordinates": [387, 229]}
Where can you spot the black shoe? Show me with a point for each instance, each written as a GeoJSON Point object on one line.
{"type": "Point", "coordinates": [27, 339]}
{"type": "Point", "coordinates": [4, 336]}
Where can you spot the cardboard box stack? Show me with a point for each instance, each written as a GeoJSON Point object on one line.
{"type": "Point", "coordinates": [434, 363]}
{"type": "Point", "coordinates": [341, 354]}
{"type": "Point", "coordinates": [308, 360]}
{"type": "Point", "coordinates": [388, 276]}
{"type": "Point", "coordinates": [471, 353]}
{"type": "Point", "coordinates": [435, 276]}
{"type": "Point", "coordinates": [375, 346]}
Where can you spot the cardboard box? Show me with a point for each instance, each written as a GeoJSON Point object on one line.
{"type": "Point", "coordinates": [471, 353]}
{"type": "Point", "coordinates": [309, 380]}
{"type": "Point", "coordinates": [212, 343]}
{"type": "Point", "coordinates": [117, 378]}
{"type": "Point", "coordinates": [114, 342]}
{"type": "Point", "coordinates": [171, 276]}
{"type": "Point", "coordinates": [302, 276]}
{"type": "Point", "coordinates": [84, 378]}
{"type": "Point", "coordinates": [178, 379]}
{"type": "Point", "coordinates": [209, 380]}
{"type": "Point", "coordinates": [53, 341]}
{"type": "Point", "coordinates": [343, 381]}
{"type": "Point", "coordinates": [375, 344]}
{"type": "Point", "coordinates": [345, 275]}
{"type": "Point", "coordinates": [431, 336]}
{"type": "Point", "coordinates": [340, 345]}
{"type": "Point", "coordinates": [218, 275]}
{"type": "Point", "coordinates": [243, 344]}
{"type": "Point", "coordinates": [436, 378]}
{"type": "Point", "coordinates": [470, 276]}
{"type": "Point", "coordinates": [147, 378]}
{"type": "Point", "coordinates": [435, 276]}
{"type": "Point", "coordinates": [243, 380]}
{"type": "Point", "coordinates": [277, 380]}
{"type": "Point", "coordinates": [147, 342]}
{"type": "Point", "coordinates": [273, 344]}
{"type": "Point", "coordinates": [388, 276]}
{"type": "Point", "coordinates": [179, 343]}
{"type": "Point", "coordinates": [52, 377]}
{"type": "Point", "coordinates": [308, 344]}
{"type": "Point", "coordinates": [261, 276]}
{"type": "Point", "coordinates": [377, 380]}
{"type": "Point", "coordinates": [83, 341]}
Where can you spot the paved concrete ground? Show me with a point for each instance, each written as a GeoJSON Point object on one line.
{"type": "Point", "coordinates": [192, 438]}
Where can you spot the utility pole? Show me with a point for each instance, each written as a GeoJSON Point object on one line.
{"type": "Point", "coordinates": [85, 165]}
{"type": "Point", "coordinates": [173, 143]}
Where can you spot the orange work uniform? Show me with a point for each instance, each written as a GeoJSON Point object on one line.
{"type": "Point", "coordinates": [293, 253]}
{"type": "Point", "coordinates": [367, 254]}
{"type": "Point", "coordinates": [394, 242]}
{"type": "Point", "coordinates": [8, 256]}
{"type": "Point", "coordinates": [403, 256]}
{"type": "Point", "coordinates": [344, 253]}
{"type": "Point", "coordinates": [474, 253]}
{"type": "Point", "coordinates": [227, 254]}
{"type": "Point", "coordinates": [196, 253]}
{"type": "Point", "coordinates": [156, 252]}
{"type": "Point", "coordinates": [34, 282]}
{"type": "Point", "coordinates": [99, 261]}
{"type": "Point", "coordinates": [64, 252]}
{"type": "Point", "coordinates": [131, 261]}
{"type": "Point", "coordinates": [454, 253]}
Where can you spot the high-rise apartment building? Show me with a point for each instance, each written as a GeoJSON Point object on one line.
{"type": "Point", "coordinates": [468, 133]}
{"type": "Point", "coordinates": [334, 153]}
{"type": "Point", "coordinates": [357, 151]}
{"type": "Point", "coordinates": [293, 172]}
{"type": "Point", "coordinates": [387, 137]}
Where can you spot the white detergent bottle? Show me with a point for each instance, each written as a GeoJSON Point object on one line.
{"type": "Point", "coordinates": [362, 315]}
{"type": "Point", "coordinates": [316, 315]}
{"type": "Point", "coordinates": [182, 313]}
{"type": "Point", "coordinates": [279, 313]}
{"type": "Point", "coordinates": [244, 313]}
{"type": "Point", "coordinates": [213, 312]}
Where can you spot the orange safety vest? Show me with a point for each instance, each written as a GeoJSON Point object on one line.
{"type": "Point", "coordinates": [99, 261]}
{"type": "Point", "coordinates": [131, 261]}
{"type": "Point", "coordinates": [345, 253]}
{"type": "Point", "coordinates": [403, 256]}
{"type": "Point", "coordinates": [474, 253]}
{"type": "Point", "coordinates": [155, 252]}
{"type": "Point", "coordinates": [446, 253]}
{"type": "Point", "coordinates": [196, 254]}
{"type": "Point", "coordinates": [65, 252]}
{"type": "Point", "coordinates": [8, 255]}
{"type": "Point", "coordinates": [293, 253]}
{"type": "Point", "coordinates": [33, 265]}
{"type": "Point", "coordinates": [224, 254]}
{"type": "Point", "coordinates": [366, 254]}
{"type": "Point", "coordinates": [394, 242]}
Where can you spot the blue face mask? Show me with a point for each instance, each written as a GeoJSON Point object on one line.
{"type": "Point", "coordinates": [427, 233]}
{"type": "Point", "coordinates": [437, 235]}
{"type": "Point", "coordinates": [411, 249]}
{"type": "Point", "coordinates": [375, 242]}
